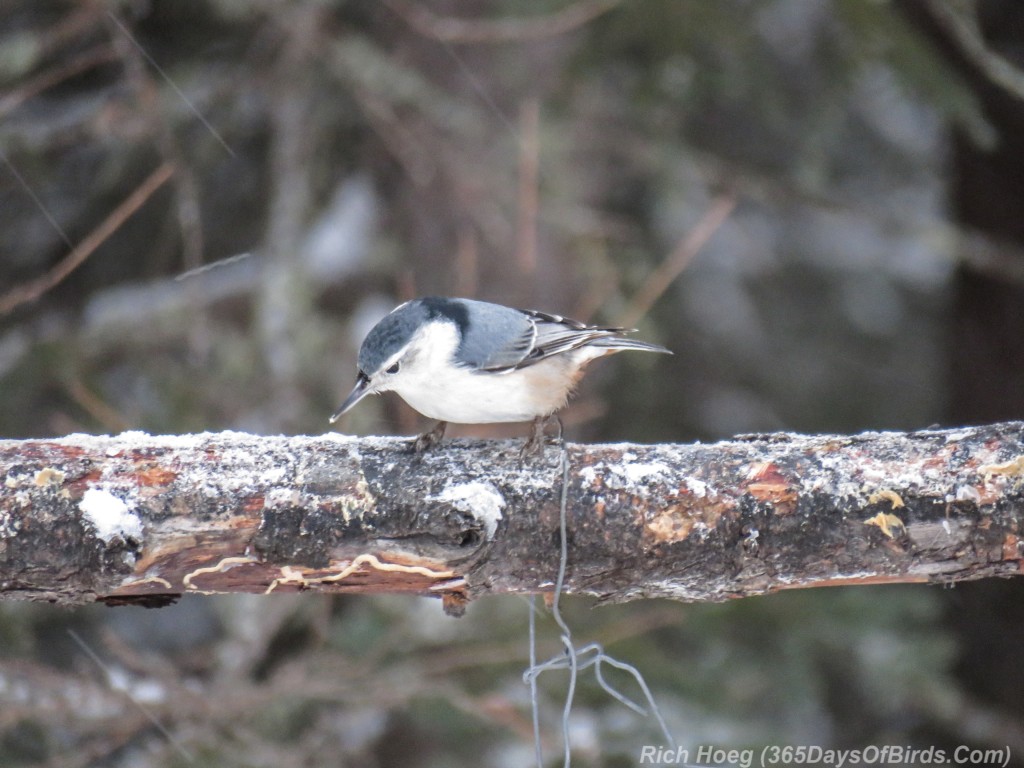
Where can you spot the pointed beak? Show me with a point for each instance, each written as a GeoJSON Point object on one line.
{"type": "Point", "coordinates": [359, 391]}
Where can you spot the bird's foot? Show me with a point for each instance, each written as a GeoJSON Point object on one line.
{"type": "Point", "coordinates": [430, 438]}
{"type": "Point", "coordinates": [534, 446]}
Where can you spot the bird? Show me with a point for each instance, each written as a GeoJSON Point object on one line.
{"type": "Point", "coordinates": [473, 362]}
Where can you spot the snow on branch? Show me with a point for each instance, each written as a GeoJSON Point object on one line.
{"type": "Point", "coordinates": [142, 519]}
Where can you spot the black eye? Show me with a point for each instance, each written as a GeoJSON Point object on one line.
{"type": "Point", "coordinates": [392, 369]}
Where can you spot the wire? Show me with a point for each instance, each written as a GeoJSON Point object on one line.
{"type": "Point", "coordinates": [576, 659]}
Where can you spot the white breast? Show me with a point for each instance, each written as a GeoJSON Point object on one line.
{"type": "Point", "coordinates": [440, 391]}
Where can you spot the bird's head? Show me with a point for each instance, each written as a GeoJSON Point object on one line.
{"type": "Point", "coordinates": [401, 349]}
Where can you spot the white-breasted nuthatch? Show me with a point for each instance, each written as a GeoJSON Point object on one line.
{"type": "Point", "coordinates": [472, 362]}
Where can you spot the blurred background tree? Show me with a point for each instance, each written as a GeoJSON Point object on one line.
{"type": "Point", "coordinates": [815, 203]}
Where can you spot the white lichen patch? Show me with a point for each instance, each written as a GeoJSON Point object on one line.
{"type": "Point", "coordinates": [22, 480]}
{"type": "Point", "coordinates": [639, 472]}
{"type": "Point", "coordinates": [272, 475]}
{"type": "Point", "coordinates": [110, 516]}
{"type": "Point", "coordinates": [697, 487]}
{"type": "Point", "coordinates": [481, 500]}
{"type": "Point", "coordinates": [9, 526]}
{"type": "Point", "coordinates": [281, 498]}
{"type": "Point", "coordinates": [868, 479]}
{"type": "Point", "coordinates": [956, 437]}
{"type": "Point", "coordinates": [341, 437]}
{"type": "Point", "coordinates": [627, 474]}
{"type": "Point", "coordinates": [965, 493]}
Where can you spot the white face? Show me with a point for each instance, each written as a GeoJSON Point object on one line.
{"type": "Point", "coordinates": [420, 372]}
{"type": "Point", "coordinates": [427, 356]}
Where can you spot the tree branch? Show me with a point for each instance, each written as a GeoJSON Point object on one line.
{"type": "Point", "coordinates": [960, 21]}
{"type": "Point", "coordinates": [455, 30]}
{"type": "Point", "coordinates": [136, 518]}
{"type": "Point", "coordinates": [32, 290]}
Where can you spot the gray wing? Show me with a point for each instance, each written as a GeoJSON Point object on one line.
{"type": "Point", "coordinates": [556, 334]}
{"type": "Point", "coordinates": [502, 339]}
{"type": "Point", "coordinates": [499, 338]}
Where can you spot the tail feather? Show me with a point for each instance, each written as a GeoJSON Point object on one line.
{"type": "Point", "coordinates": [617, 343]}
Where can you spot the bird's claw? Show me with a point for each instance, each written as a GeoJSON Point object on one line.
{"type": "Point", "coordinates": [430, 438]}
{"type": "Point", "coordinates": [534, 445]}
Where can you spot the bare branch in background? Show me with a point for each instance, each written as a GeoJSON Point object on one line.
{"type": "Point", "coordinates": [529, 165]}
{"type": "Point", "coordinates": [94, 57]}
{"type": "Point", "coordinates": [962, 24]}
{"type": "Point", "coordinates": [661, 278]}
{"type": "Point", "coordinates": [170, 82]}
{"type": "Point", "coordinates": [32, 290]}
{"type": "Point", "coordinates": [452, 30]}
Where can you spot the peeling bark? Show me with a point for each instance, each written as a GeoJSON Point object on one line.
{"type": "Point", "coordinates": [136, 518]}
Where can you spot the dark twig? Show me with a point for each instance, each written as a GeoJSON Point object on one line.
{"type": "Point", "coordinates": [661, 278]}
{"type": "Point", "coordinates": [33, 289]}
